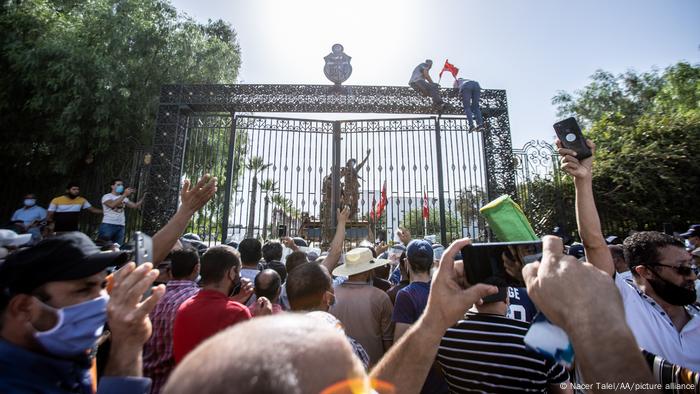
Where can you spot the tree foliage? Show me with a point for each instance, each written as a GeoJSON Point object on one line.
{"type": "Point", "coordinates": [80, 80]}
{"type": "Point", "coordinates": [647, 128]}
{"type": "Point", "coordinates": [413, 221]}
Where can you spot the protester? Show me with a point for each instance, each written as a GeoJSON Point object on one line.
{"type": "Point", "coordinates": [250, 252]}
{"type": "Point", "coordinates": [486, 352]}
{"type": "Point", "coordinates": [268, 285]}
{"type": "Point", "coordinates": [210, 311]}
{"type": "Point", "coordinates": [693, 236]}
{"type": "Point", "coordinates": [64, 211]}
{"type": "Point", "coordinates": [272, 254]}
{"type": "Point", "coordinates": [364, 310]}
{"type": "Point", "coordinates": [571, 294]}
{"type": "Point", "coordinates": [422, 83]}
{"type": "Point", "coordinates": [30, 218]}
{"type": "Point", "coordinates": [658, 303]}
{"type": "Point", "coordinates": [470, 91]}
{"type": "Point", "coordinates": [113, 204]}
{"type": "Point", "coordinates": [53, 308]}
{"type": "Point", "coordinates": [283, 350]}
{"type": "Point", "coordinates": [412, 300]}
{"type": "Point", "coordinates": [310, 289]}
{"type": "Point", "coordinates": [621, 266]}
{"type": "Point", "coordinates": [403, 278]}
{"type": "Point", "coordinates": [158, 360]}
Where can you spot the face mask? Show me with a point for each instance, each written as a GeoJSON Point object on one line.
{"type": "Point", "coordinates": [671, 293]}
{"type": "Point", "coordinates": [29, 202]}
{"type": "Point", "coordinates": [119, 189]}
{"type": "Point", "coordinates": [78, 328]}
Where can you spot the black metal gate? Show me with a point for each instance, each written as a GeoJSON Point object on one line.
{"type": "Point", "coordinates": [281, 169]}
{"type": "Point", "coordinates": [288, 171]}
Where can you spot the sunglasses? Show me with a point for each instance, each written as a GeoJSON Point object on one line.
{"type": "Point", "coordinates": [683, 270]}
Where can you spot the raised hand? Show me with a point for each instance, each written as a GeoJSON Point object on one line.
{"type": "Point", "coordinates": [343, 214]}
{"type": "Point", "coordinates": [404, 235]}
{"type": "Point", "coordinates": [580, 169]}
{"type": "Point", "coordinates": [194, 197]}
{"type": "Point", "coordinates": [245, 293]}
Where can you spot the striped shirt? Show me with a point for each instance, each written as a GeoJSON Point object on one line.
{"type": "Point", "coordinates": [67, 212]}
{"type": "Point", "coordinates": [486, 353]}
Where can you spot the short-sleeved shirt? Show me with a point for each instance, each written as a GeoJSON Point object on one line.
{"type": "Point", "coordinates": [654, 330]}
{"type": "Point", "coordinates": [201, 317]}
{"type": "Point", "coordinates": [365, 312]}
{"type": "Point", "coordinates": [410, 302]}
{"type": "Point", "coordinates": [29, 215]}
{"type": "Point", "coordinates": [67, 212]}
{"type": "Point", "coordinates": [418, 73]}
{"type": "Point", "coordinates": [486, 353]}
{"type": "Point", "coordinates": [114, 215]}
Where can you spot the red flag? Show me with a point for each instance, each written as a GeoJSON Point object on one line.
{"type": "Point", "coordinates": [382, 202]}
{"type": "Point", "coordinates": [449, 67]}
{"type": "Point", "coordinates": [426, 212]}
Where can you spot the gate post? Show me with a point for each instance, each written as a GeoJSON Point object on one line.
{"type": "Point", "coordinates": [441, 184]}
{"type": "Point", "coordinates": [335, 171]}
{"type": "Point", "coordinates": [230, 170]}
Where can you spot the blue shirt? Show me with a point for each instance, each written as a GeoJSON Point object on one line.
{"type": "Point", "coordinates": [28, 215]}
{"type": "Point", "coordinates": [24, 371]}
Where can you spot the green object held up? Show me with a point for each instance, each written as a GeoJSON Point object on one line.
{"type": "Point", "coordinates": [507, 220]}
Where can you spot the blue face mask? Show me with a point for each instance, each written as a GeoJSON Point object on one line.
{"type": "Point", "coordinates": [29, 202]}
{"type": "Point", "coordinates": [119, 189]}
{"type": "Point", "coordinates": [78, 328]}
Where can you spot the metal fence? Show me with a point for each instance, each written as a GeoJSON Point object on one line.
{"type": "Point", "coordinates": [282, 172]}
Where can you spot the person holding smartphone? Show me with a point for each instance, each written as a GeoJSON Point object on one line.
{"type": "Point", "coordinates": [113, 204]}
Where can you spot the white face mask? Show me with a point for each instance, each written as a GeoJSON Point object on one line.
{"type": "Point", "coordinates": [29, 202]}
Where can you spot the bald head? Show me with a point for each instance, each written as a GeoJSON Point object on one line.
{"type": "Point", "coordinates": [268, 284]}
{"type": "Point", "coordinates": [286, 353]}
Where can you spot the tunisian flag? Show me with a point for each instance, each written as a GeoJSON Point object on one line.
{"type": "Point", "coordinates": [382, 202]}
{"type": "Point", "coordinates": [449, 67]}
{"type": "Point", "coordinates": [426, 212]}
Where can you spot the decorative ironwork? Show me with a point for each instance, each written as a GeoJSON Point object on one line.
{"type": "Point", "coordinates": [322, 98]}
{"type": "Point", "coordinates": [337, 68]}
{"type": "Point", "coordinates": [302, 153]}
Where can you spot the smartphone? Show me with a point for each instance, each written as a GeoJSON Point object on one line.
{"type": "Point", "coordinates": [281, 230]}
{"type": "Point", "coordinates": [143, 248]}
{"type": "Point", "coordinates": [484, 261]}
{"type": "Point", "coordinates": [571, 137]}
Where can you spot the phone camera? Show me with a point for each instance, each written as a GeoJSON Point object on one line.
{"type": "Point", "coordinates": [571, 137]}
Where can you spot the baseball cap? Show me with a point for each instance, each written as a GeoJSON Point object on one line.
{"type": "Point", "coordinates": [613, 240]}
{"type": "Point", "coordinates": [693, 231]}
{"type": "Point", "coordinates": [419, 248]}
{"type": "Point", "coordinates": [576, 250]}
{"type": "Point", "coordinates": [11, 238]}
{"type": "Point", "coordinates": [67, 257]}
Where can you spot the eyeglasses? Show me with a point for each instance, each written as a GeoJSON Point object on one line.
{"type": "Point", "coordinates": [683, 270]}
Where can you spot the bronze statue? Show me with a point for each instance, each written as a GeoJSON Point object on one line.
{"type": "Point", "coordinates": [351, 185]}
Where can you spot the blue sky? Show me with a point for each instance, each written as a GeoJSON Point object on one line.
{"type": "Point", "coordinates": [531, 49]}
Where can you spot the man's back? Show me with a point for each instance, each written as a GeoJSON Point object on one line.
{"type": "Point", "coordinates": [365, 312]}
{"type": "Point", "coordinates": [158, 359]}
{"type": "Point", "coordinates": [486, 352]}
{"type": "Point", "coordinates": [201, 317]}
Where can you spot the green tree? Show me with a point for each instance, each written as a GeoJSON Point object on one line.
{"type": "Point", "coordinates": [413, 221]}
{"type": "Point", "coordinates": [268, 187]}
{"type": "Point", "coordinates": [255, 165]}
{"type": "Point", "coordinates": [80, 81]}
{"type": "Point", "coordinates": [646, 127]}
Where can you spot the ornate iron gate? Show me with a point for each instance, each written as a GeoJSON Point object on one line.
{"type": "Point", "coordinates": [281, 171]}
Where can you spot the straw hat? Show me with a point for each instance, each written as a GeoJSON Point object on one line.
{"type": "Point", "coordinates": [357, 261]}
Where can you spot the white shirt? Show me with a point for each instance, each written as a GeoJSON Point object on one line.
{"type": "Point", "coordinates": [114, 215]}
{"type": "Point", "coordinates": [654, 330]}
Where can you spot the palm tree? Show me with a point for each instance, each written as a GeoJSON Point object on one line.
{"type": "Point", "coordinates": [267, 186]}
{"type": "Point", "coordinates": [255, 165]}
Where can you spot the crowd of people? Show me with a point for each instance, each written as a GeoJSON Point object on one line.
{"type": "Point", "coordinates": [250, 317]}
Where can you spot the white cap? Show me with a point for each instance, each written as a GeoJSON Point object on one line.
{"type": "Point", "coordinates": [11, 238]}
